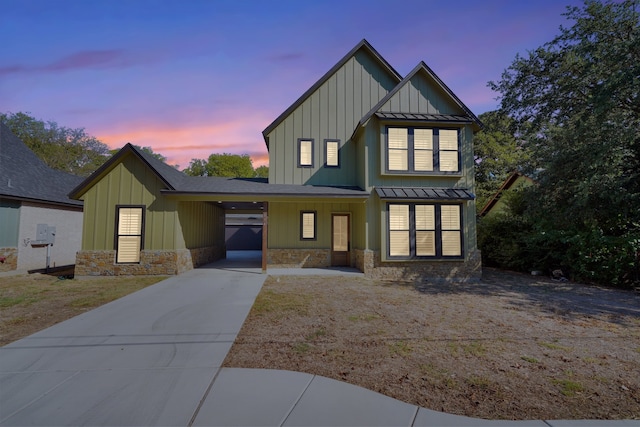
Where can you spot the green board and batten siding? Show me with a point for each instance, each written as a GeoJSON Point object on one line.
{"type": "Point", "coordinates": [332, 111]}
{"type": "Point", "coordinates": [284, 224]}
{"type": "Point", "coordinates": [421, 96]}
{"type": "Point", "coordinates": [169, 224]}
{"type": "Point", "coordinates": [202, 225]}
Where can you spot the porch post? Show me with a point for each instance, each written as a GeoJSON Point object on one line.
{"type": "Point", "coordinates": [265, 221]}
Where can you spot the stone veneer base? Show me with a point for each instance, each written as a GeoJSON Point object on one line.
{"type": "Point", "coordinates": [9, 258]}
{"type": "Point", "coordinates": [370, 263]}
{"type": "Point", "coordinates": [298, 258]}
{"type": "Point", "coordinates": [152, 262]}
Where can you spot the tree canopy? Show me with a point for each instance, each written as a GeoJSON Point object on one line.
{"type": "Point", "coordinates": [62, 148]}
{"type": "Point", "coordinates": [226, 165]}
{"type": "Point", "coordinates": [576, 106]}
{"type": "Point", "coordinates": [497, 154]}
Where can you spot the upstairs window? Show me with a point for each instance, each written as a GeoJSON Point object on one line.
{"type": "Point", "coordinates": [332, 153]}
{"type": "Point", "coordinates": [129, 233]}
{"type": "Point", "coordinates": [422, 150]}
{"type": "Point", "coordinates": [305, 153]}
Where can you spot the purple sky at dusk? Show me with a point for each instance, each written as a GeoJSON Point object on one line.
{"type": "Point", "coordinates": [194, 77]}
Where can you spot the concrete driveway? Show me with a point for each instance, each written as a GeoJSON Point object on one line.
{"type": "Point", "coordinates": [146, 359]}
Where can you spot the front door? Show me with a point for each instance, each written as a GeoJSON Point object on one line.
{"type": "Point", "coordinates": [340, 244]}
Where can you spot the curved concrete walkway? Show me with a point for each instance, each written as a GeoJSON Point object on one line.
{"type": "Point", "coordinates": [154, 358]}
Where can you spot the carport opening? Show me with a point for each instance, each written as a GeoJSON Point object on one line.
{"type": "Point", "coordinates": [243, 232]}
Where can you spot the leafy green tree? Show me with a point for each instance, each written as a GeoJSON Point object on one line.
{"type": "Point", "coordinates": [227, 165]}
{"type": "Point", "coordinates": [62, 148]}
{"type": "Point", "coordinates": [148, 150]}
{"type": "Point", "coordinates": [497, 153]}
{"type": "Point", "coordinates": [575, 102]}
{"type": "Point", "coordinates": [262, 171]}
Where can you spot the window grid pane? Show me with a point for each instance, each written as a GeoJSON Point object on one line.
{"type": "Point", "coordinates": [451, 243]}
{"type": "Point", "coordinates": [423, 139]}
{"type": "Point", "coordinates": [128, 249]}
{"type": "Point", "coordinates": [449, 161]}
{"type": "Point", "coordinates": [398, 138]}
{"type": "Point", "coordinates": [399, 217]}
{"type": "Point", "coordinates": [450, 217]}
{"type": "Point", "coordinates": [399, 243]}
{"type": "Point", "coordinates": [425, 243]}
{"type": "Point", "coordinates": [305, 153]}
{"type": "Point", "coordinates": [425, 217]}
{"type": "Point", "coordinates": [423, 160]}
{"type": "Point", "coordinates": [130, 221]}
{"type": "Point", "coordinates": [398, 160]}
{"type": "Point", "coordinates": [308, 225]}
{"type": "Point", "coordinates": [332, 153]}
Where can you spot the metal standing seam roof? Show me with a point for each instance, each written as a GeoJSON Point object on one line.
{"type": "Point", "coordinates": [424, 193]}
{"type": "Point", "coordinates": [448, 118]}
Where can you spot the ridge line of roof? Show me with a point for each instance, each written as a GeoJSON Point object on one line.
{"type": "Point", "coordinates": [421, 66]}
{"type": "Point", "coordinates": [128, 147]}
{"type": "Point", "coordinates": [363, 43]}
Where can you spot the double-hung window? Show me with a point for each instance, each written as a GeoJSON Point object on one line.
{"type": "Point", "coordinates": [129, 233]}
{"type": "Point", "coordinates": [305, 153]}
{"type": "Point", "coordinates": [308, 227]}
{"type": "Point", "coordinates": [422, 150]}
{"type": "Point", "coordinates": [332, 153]}
{"type": "Point", "coordinates": [421, 230]}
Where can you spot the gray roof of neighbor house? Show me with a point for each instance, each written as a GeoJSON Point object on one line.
{"type": "Point", "coordinates": [178, 183]}
{"type": "Point", "coordinates": [23, 176]}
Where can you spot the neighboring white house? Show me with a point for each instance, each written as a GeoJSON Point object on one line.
{"type": "Point", "coordinates": [32, 195]}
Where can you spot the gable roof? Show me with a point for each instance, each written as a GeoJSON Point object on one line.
{"type": "Point", "coordinates": [24, 176]}
{"type": "Point", "coordinates": [169, 175]}
{"type": "Point", "coordinates": [179, 183]}
{"type": "Point", "coordinates": [422, 67]}
{"type": "Point", "coordinates": [364, 45]}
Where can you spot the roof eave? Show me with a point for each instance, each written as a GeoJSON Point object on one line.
{"type": "Point", "coordinates": [77, 192]}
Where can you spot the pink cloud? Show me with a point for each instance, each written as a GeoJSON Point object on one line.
{"type": "Point", "coordinates": [85, 59]}
{"type": "Point", "coordinates": [182, 142]}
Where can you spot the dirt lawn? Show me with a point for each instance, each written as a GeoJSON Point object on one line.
{"type": "Point", "coordinates": [510, 347]}
{"type": "Point", "coordinates": [30, 303]}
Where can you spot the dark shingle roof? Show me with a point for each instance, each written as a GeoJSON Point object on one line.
{"type": "Point", "coordinates": [423, 193]}
{"type": "Point", "coordinates": [179, 183]}
{"type": "Point", "coordinates": [212, 185]}
{"type": "Point", "coordinates": [24, 176]}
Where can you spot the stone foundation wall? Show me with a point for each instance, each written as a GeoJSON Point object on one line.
{"type": "Point", "coordinates": [8, 259]}
{"type": "Point", "coordinates": [298, 258]}
{"type": "Point", "coordinates": [152, 262]}
{"type": "Point", "coordinates": [461, 271]}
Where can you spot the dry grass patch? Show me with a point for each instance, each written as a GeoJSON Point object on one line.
{"type": "Point", "coordinates": [510, 347]}
{"type": "Point", "coordinates": [30, 303]}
